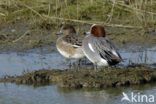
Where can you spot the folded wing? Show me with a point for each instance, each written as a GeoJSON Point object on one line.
{"type": "Point", "coordinates": [107, 51]}
{"type": "Point", "coordinates": [74, 40]}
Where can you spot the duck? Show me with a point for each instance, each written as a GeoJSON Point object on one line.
{"type": "Point", "coordinates": [99, 49]}
{"type": "Point", "coordinates": [69, 44]}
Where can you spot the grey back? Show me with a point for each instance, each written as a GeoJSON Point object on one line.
{"type": "Point", "coordinates": [103, 48]}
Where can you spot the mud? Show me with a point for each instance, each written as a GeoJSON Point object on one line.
{"type": "Point", "coordinates": [82, 78]}
{"type": "Point", "coordinates": [16, 21]}
{"type": "Point", "coordinates": [21, 36]}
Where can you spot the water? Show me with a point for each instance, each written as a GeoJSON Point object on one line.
{"type": "Point", "coordinates": [15, 63]}
{"type": "Point", "coordinates": [22, 94]}
{"type": "Point", "coordinates": [139, 55]}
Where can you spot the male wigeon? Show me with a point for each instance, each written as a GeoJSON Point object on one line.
{"type": "Point", "coordinates": [99, 49]}
{"type": "Point", "coordinates": [70, 44]}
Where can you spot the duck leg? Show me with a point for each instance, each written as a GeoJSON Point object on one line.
{"type": "Point", "coordinates": [77, 65]}
{"type": "Point", "coordinates": [69, 63]}
{"type": "Point", "coordinates": [79, 62]}
{"type": "Point", "coordinates": [95, 67]}
{"type": "Point", "coordinates": [85, 60]}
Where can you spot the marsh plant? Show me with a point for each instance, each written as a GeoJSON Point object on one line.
{"type": "Point", "coordinates": [33, 23]}
{"type": "Point", "coordinates": [118, 12]}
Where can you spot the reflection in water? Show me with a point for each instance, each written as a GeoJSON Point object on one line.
{"type": "Point", "coordinates": [15, 63]}
{"type": "Point", "coordinates": [139, 56]}
{"type": "Point", "coordinates": [21, 94]}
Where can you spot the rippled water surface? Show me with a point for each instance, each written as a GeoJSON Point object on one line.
{"type": "Point", "coordinates": [15, 63]}
{"type": "Point", "coordinates": [22, 94]}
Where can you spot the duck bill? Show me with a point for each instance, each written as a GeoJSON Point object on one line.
{"type": "Point", "coordinates": [59, 33]}
{"type": "Point", "coordinates": [87, 32]}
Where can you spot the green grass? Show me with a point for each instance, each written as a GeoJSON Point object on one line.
{"type": "Point", "coordinates": [99, 10]}
{"type": "Point", "coordinates": [31, 15]}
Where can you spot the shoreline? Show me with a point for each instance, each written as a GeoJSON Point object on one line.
{"type": "Point", "coordinates": [103, 78]}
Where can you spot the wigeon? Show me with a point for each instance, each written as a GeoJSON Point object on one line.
{"type": "Point", "coordinates": [70, 44]}
{"type": "Point", "coordinates": [99, 49]}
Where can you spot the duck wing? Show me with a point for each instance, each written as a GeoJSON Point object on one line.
{"type": "Point", "coordinates": [74, 40]}
{"type": "Point", "coordinates": [106, 49]}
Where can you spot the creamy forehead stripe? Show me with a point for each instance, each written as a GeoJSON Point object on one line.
{"type": "Point", "coordinates": [93, 25]}
{"type": "Point", "coordinates": [91, 48]}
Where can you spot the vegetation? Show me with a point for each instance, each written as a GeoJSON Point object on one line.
{"type": "Point", "coordinates": [42, 19]}
{"type": "Point", "coordinates": [29, 24]}
{"type": "Point", "coordinates": [83, 78]}
{"type": "Point", "coordinates": [131, 12]}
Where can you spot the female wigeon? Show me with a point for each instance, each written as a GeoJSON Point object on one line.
{"type": "Point", "coordinates": [70, 44]}
{"type": "Point", "coordinates": [99, 49]}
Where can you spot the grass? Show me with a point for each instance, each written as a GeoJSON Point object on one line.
{"type": "Point", "coordinates": [77, 9]}
{"type": "Point", "coordinates": [34, 15]}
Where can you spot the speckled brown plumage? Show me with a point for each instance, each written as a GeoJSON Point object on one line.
{"type": "Point", "coordinates": [69, 45]}
{"type": "Point", "coordinates": [73, 39]}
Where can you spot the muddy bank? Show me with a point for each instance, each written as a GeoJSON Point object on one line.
{"type": "Point", "coordinates": [87, 78]}
{"type": "Point", "coordinates": [27, 24]}
{"type": "Point", "coordinates": [21, 36]}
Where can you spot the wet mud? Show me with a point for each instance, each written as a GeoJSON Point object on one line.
{"type": "Point", "coordinates": [21, 36]}
{"type": "Point", "coordinates": [102, 78]}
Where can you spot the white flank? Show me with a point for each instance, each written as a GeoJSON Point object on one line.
{"type": "Point", "coordinates": [91, 48]}
{"type": "Point", "coordinates": [105, 63]}
{"type": "Point", "coordinates": [115, 53]}
{"type": "Point", "coordinates": [78, 56]}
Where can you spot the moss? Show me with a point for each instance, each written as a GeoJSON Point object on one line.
{"type": "Point", "coordinates": [103, 78]}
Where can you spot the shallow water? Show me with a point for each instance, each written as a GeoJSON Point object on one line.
{"type": "Point", "coordinates": [17, 63]}
{"type": "Point", "coordinates": [22, 94]}
{"type": "Point", "coordinates": [139, 55]}
{"type": "Point", "coordinates": [14, 63]}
